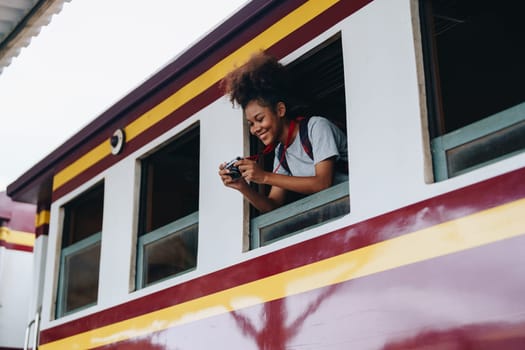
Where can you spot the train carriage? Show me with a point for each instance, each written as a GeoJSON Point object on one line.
{"type": "Point", "coordinates": [141, 246]}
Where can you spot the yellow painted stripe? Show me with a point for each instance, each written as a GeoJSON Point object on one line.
{"type": "Point", "coordinates": [42, 218]}
{"type": "Point", "coordinates": [17, 237]}
{"type": "Point", "coordinates": [266, 39]}
{"type": "Point", "coordinates": [468, 232]}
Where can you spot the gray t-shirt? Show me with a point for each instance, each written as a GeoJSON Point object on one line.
{"type": "Point", "coordinates": [327, 141]}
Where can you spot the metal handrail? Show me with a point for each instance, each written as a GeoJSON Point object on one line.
{"type": "Point", "coordinates": [36, 321]}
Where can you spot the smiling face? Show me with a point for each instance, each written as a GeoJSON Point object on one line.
{"type": "Point", "coordinates": [265, 123]}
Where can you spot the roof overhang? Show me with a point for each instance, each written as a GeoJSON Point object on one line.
{"type": "Point", "coordinates": [20, 21]}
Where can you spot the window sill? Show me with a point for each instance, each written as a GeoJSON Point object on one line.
{"type": "Point", "coordinates": [300, 215]}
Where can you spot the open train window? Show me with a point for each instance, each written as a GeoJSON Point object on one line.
{"type": "Point", "coordinates": [318, 77]}
{"type": "Point", "coordinates": [474, 73]}
{"type": "Point", "coordinates": [80, 253]}
{"type": "Point", "coordinates": [168, 215]}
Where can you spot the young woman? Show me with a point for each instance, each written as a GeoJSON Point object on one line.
{"type": "Point", "coordinates": [262, 89]}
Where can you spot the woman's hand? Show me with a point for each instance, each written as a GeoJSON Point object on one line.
{"type": "Point", "coordinates": [251, 171]}
{"type": "Point", "coordinates": [228, 181]}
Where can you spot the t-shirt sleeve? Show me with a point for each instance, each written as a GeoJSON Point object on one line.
{"type": "Point", "coordinates": [323, 137]}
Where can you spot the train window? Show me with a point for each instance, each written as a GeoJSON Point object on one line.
{"type": "Point", "coordinates": [168, 216]}
{"type": "Point", "coordinates": [80, 254]}
{"type": "Point", "coordinates": [318, 77]}
{"type": "Point", "coordinates": [474, 77]}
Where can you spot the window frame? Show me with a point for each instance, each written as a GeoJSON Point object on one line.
{"type": "Point", "coordinates": [286, 213]}
{"type": "Point", "coordinates": [469, 147]}
{"type": "Point", "coordinates": [66, 253]}
{"type": "Point", "coordinates": [170, 229]}
{"type": "Point", "coordinates": [501, 122]}
{"type": "Point", "coordinates": [70, 211]}
{"type": "Point", "coordinates": [310, 203]}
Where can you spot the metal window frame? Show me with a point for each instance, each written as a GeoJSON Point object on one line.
{"type": "Point", "coordinates": [67, 252]}
{"type": "Point", "coordinates": [173, 228]}
{"type": "Point", "coordinates": [484, 127]}
{"type": "Point", "coordinates": [290, 210]}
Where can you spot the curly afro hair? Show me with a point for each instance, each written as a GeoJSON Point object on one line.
{"type": "Point", "coordinates": [262, 78]}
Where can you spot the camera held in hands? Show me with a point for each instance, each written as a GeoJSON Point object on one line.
{"type": "Point", "coordinates": [235, 173]}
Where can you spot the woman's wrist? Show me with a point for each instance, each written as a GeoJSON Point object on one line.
{"type": "Point", "coordinates": [266, 178]}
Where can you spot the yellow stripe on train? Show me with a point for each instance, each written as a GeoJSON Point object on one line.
{"type": "Point", "coordinates": [17, 237]}
{"type": "Point", "coordinates": [266, 39]}
{"type": "Point", "coordinates": [471, 231]}
{"type": "Point", "coordinates": [42, 218]}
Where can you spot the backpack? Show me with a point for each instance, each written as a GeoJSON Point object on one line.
{"type": "Point", "coordinates": [340, 166]}
{"type": "Point", "coordinates": [305, 142]}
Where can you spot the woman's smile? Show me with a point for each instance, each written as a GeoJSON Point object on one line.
{"type": "Point", "coordinates": [264, 122]}
{"type": "Point", "coordinates": [262, 136]}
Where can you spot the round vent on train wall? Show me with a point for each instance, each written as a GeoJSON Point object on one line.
{"type": "Point", "coordinates": [117, 141]}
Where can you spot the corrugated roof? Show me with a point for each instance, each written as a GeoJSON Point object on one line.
{"type": "Point", "coordinates": [20, 21]}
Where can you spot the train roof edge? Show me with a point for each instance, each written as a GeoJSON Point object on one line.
{"type": "Point", "coordinates": [35, 185]}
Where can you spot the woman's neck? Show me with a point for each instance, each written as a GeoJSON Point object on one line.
{"type": "Point", "coordinates": [289, 132]}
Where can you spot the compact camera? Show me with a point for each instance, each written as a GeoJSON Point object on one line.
{"type": "Point", "coordinates": [235, 173]}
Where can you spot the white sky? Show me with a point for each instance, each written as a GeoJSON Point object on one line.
{"type": "Point", "coordinates": [91, 54]}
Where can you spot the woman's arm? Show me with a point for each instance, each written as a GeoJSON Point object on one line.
{"type": "Point", "coordinates": [322, 179]}
{"type": "Point", "coordinates": [263, 203]}
{"type": "Point", "coordinates": [260, 201]}
{"type": "Point", "coordinates": [305, 184]}
{"type": "Point", "coordinates": [252, 172]}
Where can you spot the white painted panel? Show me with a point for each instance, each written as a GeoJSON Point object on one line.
{"type": "Point", "coordinates": [118, 231]}
{"type": "Point", "coordinates": [15, 288]}
{"type": "Point", "coordinates": [221, 208]}
{"type": "Point", "coordinates": [385, 148]}
{"type": "Point", "coordinates": [37, 279]}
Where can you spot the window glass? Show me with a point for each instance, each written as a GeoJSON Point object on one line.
{"type": "Point", "coordinates": [171, 254]}
{"type": "Point", "coordinates": [81, 271]}
{"type": "Point", "coordinates": [168, 223]}
{"type": "Point", "coordinates": [80, 254]}
{"type": "Point", "coordinates": [474, 74]}
{"type": "Point", "coordinates": [318, 80]}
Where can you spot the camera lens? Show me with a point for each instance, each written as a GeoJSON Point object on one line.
{"type": "Point", "coordinates": [234, 171]}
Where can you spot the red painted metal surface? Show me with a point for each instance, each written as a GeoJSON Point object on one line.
{"type": "Point", "coordinates": [449, 296]}
{"type": "Point", "coordinates": [468, 300]}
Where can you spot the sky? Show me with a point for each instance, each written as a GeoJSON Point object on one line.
{"type": "Point", "coordinates": [91, 55]}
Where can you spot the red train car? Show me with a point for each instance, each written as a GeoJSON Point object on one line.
{"type": "Point", "coordinates": [423, 247]}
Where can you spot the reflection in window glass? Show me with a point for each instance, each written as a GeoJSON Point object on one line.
{"type": "Point", "coordinates": [170, 255]}
{"type": "Point", "coordinates": [82, 270]}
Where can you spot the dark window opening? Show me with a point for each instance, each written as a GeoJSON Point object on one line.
{"type": "Point", "coordinates": [169, 202]}
{"type": "Point", "coordinates": [80, 254]}
{"type": "Point", "coordinates": [318, 80]}
{"type": "Point", "coordinates": [83, 216]}
{"type": "Point", "coordinates": [473, 56]}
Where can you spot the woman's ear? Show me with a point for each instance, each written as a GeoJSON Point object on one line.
{"type": "Point", "coordinates": [281, 109]}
